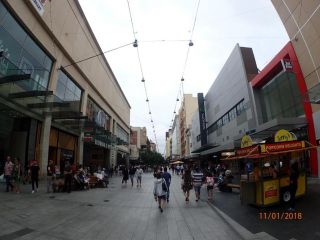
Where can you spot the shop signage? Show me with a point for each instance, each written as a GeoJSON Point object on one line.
{"type": "Point", "coordinates": [202, 119]}
{"type": "Point", "coordinates": [39, 5]}
{"type": "Point", "coordinates": [271, 193]}
{"type": "Point", "coordinates": [87, 138]}
{"type": "Point", "coordinates": [278, 147]}
{"type": "Point", "coordinates": [287, 65]}
{"type": "Point", "coordinates": [246, 141]}
{"type": "Point", "coordinates": [248, 150]}
{"type": "Point", "coordinates": [283, 136]}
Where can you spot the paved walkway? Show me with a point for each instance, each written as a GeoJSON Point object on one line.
{"type": "Point", "coordinates": [118, 212]}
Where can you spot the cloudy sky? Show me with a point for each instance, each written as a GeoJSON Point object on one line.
{"type": "Point", "coordinates": [220, 25]}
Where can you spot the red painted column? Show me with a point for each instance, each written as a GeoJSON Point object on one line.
{"type": "Point", "coordinates": [307, 108]}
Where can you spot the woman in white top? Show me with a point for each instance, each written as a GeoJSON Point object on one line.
{"type": "Point", "coordinates": [139, 173]}
{"type": "Point", "coordinates": [160, 190]}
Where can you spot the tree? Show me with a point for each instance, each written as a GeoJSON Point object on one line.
{"type": "Point", "coordinates": [151, 158]}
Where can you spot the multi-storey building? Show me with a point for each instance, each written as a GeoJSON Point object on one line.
{"type": "Point", "coordinates": [54, 104]}
{"type": "Point", "coordinates": [188, 107]}
{"type": "Point", "coordinates": [138, 142]}
{"type": "Point", "coordinates": [176, 140]}
{"type": "Point", "coordinates": [228, 105]}
{"type": "Point", "coordinates": [301, 20]}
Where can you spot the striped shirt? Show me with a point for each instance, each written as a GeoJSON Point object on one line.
{"type": "Point", "coordinates": [197, 178]}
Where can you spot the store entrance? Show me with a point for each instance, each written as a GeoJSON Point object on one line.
{"type": "Point", "coordinates": [16, 136]}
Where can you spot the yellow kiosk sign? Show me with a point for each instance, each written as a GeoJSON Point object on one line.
{"type": "Point", "coordinates": [246, 141]}
{"type": "Point", "coordinates": [283, 136]}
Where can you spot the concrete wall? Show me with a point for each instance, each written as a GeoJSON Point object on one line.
{"type": "Point", "coordinates": [229, 88]}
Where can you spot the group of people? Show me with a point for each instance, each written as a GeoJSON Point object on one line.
{"type": "Point", "coordinates": [57, 179]}
{"type": "Point", "coordinates": [132, 172]}
{"type": "Point", "coordinates": [177, 169]}
{"type": "Point", "coordinates": [13, 174]}
{"type": "Point", "coordinates": [191, 178]}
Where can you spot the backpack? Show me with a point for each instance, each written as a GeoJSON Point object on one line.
{"type": "Point", "coordinates": [164, 185]}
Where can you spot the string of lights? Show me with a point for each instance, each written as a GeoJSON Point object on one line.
{"type": "Point", "coordinates": [136, 45]}
{"type": "Point", "coordinates": [181, 87]}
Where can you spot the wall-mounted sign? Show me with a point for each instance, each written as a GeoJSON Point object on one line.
{"type": "Point", "coordinates": [246, 141]}
{"type": "Point", "coordinates": [278, 147]}
{"type": "Point", "coordinates": [39, 5]}
{"type": "Point", "coordinates": [287, 65]}
{"type": "Point", "coordinates": [202, 119]}
{"type": "Point", "coordinates": [283, 136]}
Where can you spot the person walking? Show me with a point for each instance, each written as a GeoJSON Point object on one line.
{"type": "Point", "coordinates": [8, 170]}
{"type": "Point", "coordinates": [17, 174]}
{"type": "Point", "coordinates": [187, 183]}
{"type": "Point", "coordinates": [160, 190]}
{"type": "Point", "coordinates": [139, 173]}
{"type": "Point", "coordinates": [210, 184]}
{"type": "Point", "coordinates": [67, 177]}
{"type": "Point", "coordinates": [167, 177]}
{"type": "Point", "coordinates": [125, 175]}
{"type": "Point", "coordinates": [197, 180]}
{"type": "Point", "coordinates": [34, 170]}
{"type": "Point", "coordinates": [294, 175]}
{"type": "Point", "coordinates": [132, 172]}
{"type": "Point", "coordinates": [50, 175]}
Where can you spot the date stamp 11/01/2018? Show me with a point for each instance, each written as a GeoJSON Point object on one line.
{"type": "Point", "coordinates": [286, 216]}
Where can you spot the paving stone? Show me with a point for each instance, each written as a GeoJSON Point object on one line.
{"type": "Point", "coordinates": [130, 213]}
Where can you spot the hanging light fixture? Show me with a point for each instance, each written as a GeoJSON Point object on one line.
{"type": "Point", "coordinates": [190, 43]}
{"type": "Point", "coordinates": [182, 79]}
{"type": "Point", "coordinates": [135, 43]}
{"type": "Point", "coordinates": [147, 100]}
{"type": "Point", "coordinates": [142, 80]}
{"type": "Point", "coordinates": [149, 112]}
{"type": "Point", "coordinates": [177, 99]}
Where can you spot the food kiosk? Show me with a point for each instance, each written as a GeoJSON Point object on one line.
{"type": "Point", "coordinates": [268, 181]}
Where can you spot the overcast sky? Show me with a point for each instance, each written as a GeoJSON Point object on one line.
{"type": "Point", "coordinates": [219, 27]}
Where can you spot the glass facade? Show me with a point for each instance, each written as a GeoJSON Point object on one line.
{"type": "Point", "coordinates": [21, 50]}
{"type": "Point", "coordinates": [122, 134]}
{"type": "Point", "coordinates": [67, 90]}
{"type": "Point", "coordinates": [280, 98]}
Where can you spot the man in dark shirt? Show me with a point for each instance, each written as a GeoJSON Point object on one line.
{"type": "Point", "coordinates": [67, 176]}
{"type": "Point", "coordinates": [34, 169]}
{"type": "Point", "coordinates": [50, 175]}
{"type": "Point", "coordinates": [167, 177]}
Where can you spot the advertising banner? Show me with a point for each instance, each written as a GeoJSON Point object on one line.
{"type": "Point", "coordinates": [279, 147]}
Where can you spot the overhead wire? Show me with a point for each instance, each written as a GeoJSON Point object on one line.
{"type": "Point", "coordinates": [135, 44]}
{"type": "Point", "coordinates": [181, 86]}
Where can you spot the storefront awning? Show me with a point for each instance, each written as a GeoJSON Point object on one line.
{"type": "Point", "coordinates": [204, 148]}
{"type": "Point", "coordinates": [268, 129]}
{"type": "Point", "coordinates": [19, 89]}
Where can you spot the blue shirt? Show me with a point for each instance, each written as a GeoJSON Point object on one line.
{"type": "Point", "coordinates": [167, 178]}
